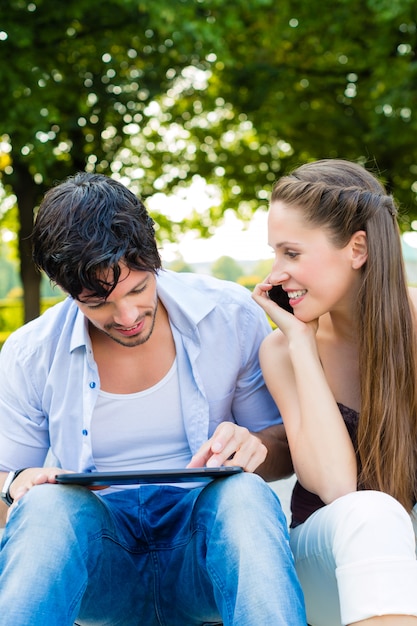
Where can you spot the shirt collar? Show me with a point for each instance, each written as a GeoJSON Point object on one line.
{"type": "Point", "coordinates": [79, 336]}
{"type": "Point", "coordinates": [185, 299]}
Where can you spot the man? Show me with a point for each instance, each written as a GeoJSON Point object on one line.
{"type": "Point", "coordinates": [138, 368]}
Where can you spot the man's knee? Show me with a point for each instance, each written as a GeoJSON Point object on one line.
{"type": "Point", "coordinates": [54, 505]}
{"type": "Point", "coordinates": [243, 490]}
{"type": "Point", "coordinates": [246, 505]}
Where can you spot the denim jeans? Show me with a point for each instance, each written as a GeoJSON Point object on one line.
{"type": "Point", "coordinates": [153, 556]}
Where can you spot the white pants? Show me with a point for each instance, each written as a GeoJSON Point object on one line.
{"type": "Point", "coordinates": [356, 559]}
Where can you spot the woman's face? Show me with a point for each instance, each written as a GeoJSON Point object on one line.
{"type": "Point", "coordinates": [317, 276]}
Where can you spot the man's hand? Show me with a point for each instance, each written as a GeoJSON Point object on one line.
{"type": "Point", "coordinates": [231, 445]}
{"type": "Point", "coordinates": [30, 478]}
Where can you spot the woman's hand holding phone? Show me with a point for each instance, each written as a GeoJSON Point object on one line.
{"type": "Point", "coordinates": [268, 297]}
{"type": "Point", "coordinates": [275, 302]}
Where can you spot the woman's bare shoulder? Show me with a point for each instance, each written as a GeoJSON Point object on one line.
{"type": "Point", "coordinates": [275, 338]}
{"type": "Point", "coordinates": [273, 346]}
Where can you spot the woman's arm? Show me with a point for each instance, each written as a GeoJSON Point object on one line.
{"type": "Point", "coordinates": [322, 452]}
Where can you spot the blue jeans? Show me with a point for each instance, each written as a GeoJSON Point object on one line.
{"type": "Point", "coordinates": [157, 555]}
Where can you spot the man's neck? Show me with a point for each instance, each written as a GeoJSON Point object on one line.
{"type": "Point", "coordinates": [125, 369]}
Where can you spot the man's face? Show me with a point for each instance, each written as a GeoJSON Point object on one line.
{"type": "Point", "coordinates": [128, 314]}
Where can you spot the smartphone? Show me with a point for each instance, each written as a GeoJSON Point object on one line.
{"type": "Point", "coordinates": [278, 295]}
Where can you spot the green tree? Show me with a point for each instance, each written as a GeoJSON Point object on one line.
{"type": "Point", "coordinates": [7, 277]}
{"type": "Point", "coordinates": [299, 84]}
{"type": "Point", "coordinates": [226, 268]}
{"type": "Point", "coordinates": [263, 267]}
{"type": "Point", "coordinates": [161, 92]}
{"type": "Point", "coordinates": [78, 78]}
{"type": "Point", "coordinates": [179, 265]}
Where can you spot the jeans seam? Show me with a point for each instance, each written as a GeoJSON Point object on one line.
{"type": "Point", "coordinates": [156, 589]}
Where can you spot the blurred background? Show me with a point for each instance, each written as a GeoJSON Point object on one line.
{"type": "Point", "coordinates": [198, 106]}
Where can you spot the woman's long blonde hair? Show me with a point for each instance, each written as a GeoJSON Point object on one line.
{"type": "Point", "coordinates": [343, 197]}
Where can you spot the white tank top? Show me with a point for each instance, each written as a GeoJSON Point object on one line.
{"type": "Point", "coordinates": [143, 430]}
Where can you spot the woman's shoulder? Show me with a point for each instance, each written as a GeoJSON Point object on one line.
{"type": "Point", "coordinates": [276, 338]}
{"type": "Point", "coordinates": [273, 347]}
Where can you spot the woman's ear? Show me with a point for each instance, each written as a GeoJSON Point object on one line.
{"type": "Point", "coordinates": [359, 249]}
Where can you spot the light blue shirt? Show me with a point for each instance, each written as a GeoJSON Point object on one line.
{"type": "Point", "coordinates": [49, 380]}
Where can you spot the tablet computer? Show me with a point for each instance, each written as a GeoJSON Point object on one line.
{"type": "Point", "coordinates": [187, 475]}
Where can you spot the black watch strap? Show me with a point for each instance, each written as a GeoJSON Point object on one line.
{"type": "Point", "coordinates": [5, 492]}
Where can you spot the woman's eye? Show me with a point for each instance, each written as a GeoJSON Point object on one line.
{"type": "Point", "coordinates": [291, 254]}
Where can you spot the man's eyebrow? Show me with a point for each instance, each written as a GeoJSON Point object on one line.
{"type": "Point", "coordinates": [141, 283]}
{"type": "Point", "coordinates": [89, 298]}
{"type": "Point", "coordinates": [86, 299]}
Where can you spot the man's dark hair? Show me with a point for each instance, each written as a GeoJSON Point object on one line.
{"type": "Point", "coordinates": [85, 227]}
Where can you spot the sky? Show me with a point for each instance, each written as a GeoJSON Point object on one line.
{"type": "Point", "coordinates": [232, 238]}
{"type": "Point", "coordinates": [241, 241]}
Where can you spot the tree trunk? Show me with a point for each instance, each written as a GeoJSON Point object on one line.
{"type": "Point", "coordinates": [27, 193]}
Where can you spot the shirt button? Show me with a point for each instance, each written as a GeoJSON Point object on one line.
{"type": "Point", "coordinates": [92, 384]}
{"type": "Point", "coordinates": [85, 432]}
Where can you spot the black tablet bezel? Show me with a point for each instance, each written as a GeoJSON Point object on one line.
{"type": "Point", "coordinates": [191, 474]}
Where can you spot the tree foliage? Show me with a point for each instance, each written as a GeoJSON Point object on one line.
{"type": "Point", "coordinates": [226, 268]}
{"type": "Point", "coordinates": [161, 93]}
{"type": "Point", "coordinates": [78, 77]}
{"type": "Point", "coordinates": [307, 82]}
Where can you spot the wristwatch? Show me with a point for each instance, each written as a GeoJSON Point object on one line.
{"type": "Point", "coordinates": [5, 490]}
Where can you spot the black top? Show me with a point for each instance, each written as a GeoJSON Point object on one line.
{"type": "Point", "coordinates": [303, 502]}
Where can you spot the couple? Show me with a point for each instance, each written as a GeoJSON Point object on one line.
{"type": "Point", "coordinates": [133, 339]}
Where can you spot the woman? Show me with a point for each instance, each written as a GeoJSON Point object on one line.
{"type": "Point", "coordinates": [343, 371]}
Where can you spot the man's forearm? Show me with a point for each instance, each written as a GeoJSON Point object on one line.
{"type": "Point", "coordinates": [278, 462]}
